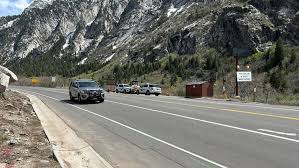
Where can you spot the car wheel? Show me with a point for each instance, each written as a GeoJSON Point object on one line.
{"type": "Point", "coordinates": [116, 91]}
{"type": "Point", "coordinates": [102, 100]}
{"type": "Point", "coordinates": [71, 97]}
{"type": "Point", "coordinates": [147, 92]}
{"type": "Point", "coordinates": [157, 94]}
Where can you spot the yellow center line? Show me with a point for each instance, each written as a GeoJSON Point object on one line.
{"type": "Point", "coordinates": [253, 113]}
{"type": "Point", "coordinates": [224, 109]}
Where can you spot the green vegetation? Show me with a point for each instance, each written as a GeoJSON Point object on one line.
{"type": "Point", "coordinates": [202, 66]}
{"type": "Point", "coordinates": [276, 73]}
{"type": "Point", "coordinates": [132, 70]}
{"type": "Point", "coordinates": [279, 54]}
{"type": "Point", "coordinates": [278, 80]}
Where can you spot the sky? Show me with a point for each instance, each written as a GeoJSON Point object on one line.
{"type": "Point", "coordinates": [13, 7]}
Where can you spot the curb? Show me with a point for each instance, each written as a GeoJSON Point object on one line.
{"type": "Point", "coordinates": [70, 150]}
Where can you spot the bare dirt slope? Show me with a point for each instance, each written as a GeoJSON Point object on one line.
{"type": "Point", "coordinates": [23, 143]}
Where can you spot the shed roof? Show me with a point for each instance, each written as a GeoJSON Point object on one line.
{"type": "Point", "coordinates": [197, 83]}
{"type": "Point", "coordinates": [83, 80]}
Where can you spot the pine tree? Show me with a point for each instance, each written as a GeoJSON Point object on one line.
{"type": "Point", "coordinates": [173, 79]}
{"type": "Point", "coordinates": [278, 80]}
{"type": "Point", "coordinates": [293, 57]}
{"type": "Point", "coordinates": [279, 53]}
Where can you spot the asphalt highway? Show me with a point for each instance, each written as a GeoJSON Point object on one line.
{"type": "Point", "coordinates": [138, 131]}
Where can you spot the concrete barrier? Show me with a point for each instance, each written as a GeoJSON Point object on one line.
{"type": "Point", "coordinates": [4, 81]}
{"type": "Point", "coordinates": [6, 77]}
{"type": "Point", "coordinates": [70, 150]}
{"type": "Point", "coordinates": [13, 76]}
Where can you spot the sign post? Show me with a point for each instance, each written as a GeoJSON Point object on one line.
{"type": "Point", "coordinates": [254, 94]}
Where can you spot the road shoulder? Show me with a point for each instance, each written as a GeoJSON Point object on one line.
{"type": "Point", "coordinates": [70, 150]}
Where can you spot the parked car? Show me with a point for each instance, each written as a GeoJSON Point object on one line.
{"type": "Point", "coordinates": [86, 90]}
{"type": "Point", "coordinates": [123, 88]}
{"type": "Point", "coordinates": [149, 89]}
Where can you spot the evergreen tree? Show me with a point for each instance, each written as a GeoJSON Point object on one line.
{"type": "Point", "coordinates": [278, 80]}
{"type": "Point", "coordinates": [173, 79]}
{"type": "Point", "coordinates": [293, 57]}
{"type": "Point", "coordinates": [279, 53]}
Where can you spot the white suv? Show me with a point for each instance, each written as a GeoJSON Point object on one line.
{"type": "Point", "coordinates": [149, 89]}
{"type": "Point", "coordinates": [123, 88]}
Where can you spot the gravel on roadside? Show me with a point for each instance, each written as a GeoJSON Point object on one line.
{"type": "Point", "coordinates": [23, 143]}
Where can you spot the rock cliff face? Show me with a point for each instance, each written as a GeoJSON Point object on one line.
{"type": "Point", "coordinates": [41, 25]}
{"type": "Point", "coordinates": [145, 30]}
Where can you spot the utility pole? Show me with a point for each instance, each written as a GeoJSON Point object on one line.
{"type": "Point", "coordinates": [237, 69]}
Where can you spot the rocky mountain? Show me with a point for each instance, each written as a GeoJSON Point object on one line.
{"type": "Point", "coordinates": [101, 31]}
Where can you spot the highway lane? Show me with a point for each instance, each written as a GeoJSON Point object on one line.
{"type": "Point", "coordinates": [198, 133]}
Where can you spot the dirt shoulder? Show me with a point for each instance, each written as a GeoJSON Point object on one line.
{"type": "Point", "coordinates": [23, 143]}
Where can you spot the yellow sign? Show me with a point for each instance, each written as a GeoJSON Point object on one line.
{"type": "Point", "coordinates": [34, 81]}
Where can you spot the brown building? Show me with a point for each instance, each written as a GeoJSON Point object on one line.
{"type": "Point", "coordinates": [199, 89]}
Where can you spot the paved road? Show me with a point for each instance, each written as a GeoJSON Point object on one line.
{"type": "Point", "coordinates": [133, 131]}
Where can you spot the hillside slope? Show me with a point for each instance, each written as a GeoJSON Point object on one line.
{"type": "Point", "coordinates": [54, 37]}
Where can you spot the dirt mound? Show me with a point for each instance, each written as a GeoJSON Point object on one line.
{"type": "Point", "coordinates": [23, 143]}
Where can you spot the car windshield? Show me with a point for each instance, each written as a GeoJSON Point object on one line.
{"type": "Point", "coordinates": [88, 84]}
{"type": "Point", "coordinates": [154, 86]}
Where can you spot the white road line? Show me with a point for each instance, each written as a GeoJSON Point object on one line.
{"type": "Point", "coordinates": [222, 109]}
{"type": "Point", "coordinates": [140, 132]}
{"type": "Point", "coordinates": [276, 132]}
{"type": "Point", "coordinates": [209, 122]}
{"type": "Point", "coordinates": [204, 121]}
{"type": "Point", "coordinates": [228, 104]}
{"type": "Point", "coordinates": [261, 105]}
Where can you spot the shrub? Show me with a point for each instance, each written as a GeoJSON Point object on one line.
{"type": "Point", "coordinates": [278, 80]}
{"type": "Point", "coordinates": [162, 82]}
{"type": "Point", "coordinates": [180, 91]}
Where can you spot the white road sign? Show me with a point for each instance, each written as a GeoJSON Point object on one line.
{"type": "Point", "coordinates": [244, 76]}
{"type": "Point", "coordinates": [53, 79]}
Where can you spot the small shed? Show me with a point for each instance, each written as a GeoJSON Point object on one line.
{"type": "Point", "coordinates": [199, 89]}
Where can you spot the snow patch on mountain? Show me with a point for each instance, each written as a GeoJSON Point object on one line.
{"type": "Point", "coordinates": [109, 58]}
{"type": "Point", "coordinates": [82, 62]}
{"type": "Point", "coordinates": [67, 41]}
{"type": "Point", "coordinates": [171, 10]}
{"type": "Point", "coordinates": [8, 24]}
{"type": "Point", "coordinates": [89, 23]}
{"type": "Point", "coordinates": [190, 26]}
{"type": "Point", "coordinates": [158, 46]}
